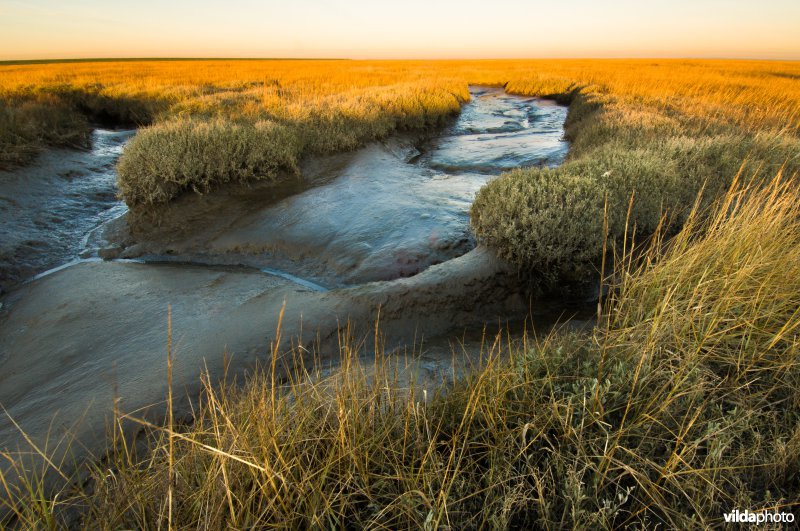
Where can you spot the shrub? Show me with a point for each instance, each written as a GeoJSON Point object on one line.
{"type": "Point", "coordinates": [167, 159]}
{"type": "Point", "coordinates": [547, 221]}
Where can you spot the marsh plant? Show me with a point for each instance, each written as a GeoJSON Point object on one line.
{"type": "Point", "coordinates": [658, 130]}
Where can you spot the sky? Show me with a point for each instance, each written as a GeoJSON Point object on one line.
{"type": "Point", "coordinates": [367, 29]}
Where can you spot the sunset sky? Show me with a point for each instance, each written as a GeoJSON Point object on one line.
{"type": "Point", "coordinates": [36, 29]}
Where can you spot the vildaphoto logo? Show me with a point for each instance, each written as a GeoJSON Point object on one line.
{"type": "Point", "coordinates": [761, 517]}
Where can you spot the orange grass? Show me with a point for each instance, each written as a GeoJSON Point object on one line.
{"type": "Point", "coordinates": [754, 93]}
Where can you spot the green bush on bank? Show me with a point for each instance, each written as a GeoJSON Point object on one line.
{"type": "Point", "coordinates": [647, 163]}
{"type": "Point", "coordinates": [545, 220]}
{"type": "Point", "coordinates": [167, 159]}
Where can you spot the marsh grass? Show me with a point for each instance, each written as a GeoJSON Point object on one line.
{"type": "Point", "coordinates": [175, 157]}
{"type": "Point", "coordinates": [660, 130]}
{"type": "Point", "coordinates": [28, 124]}
{"type": "Point", "coordinates": [682, 404]}
{"type": "Point", "coordinates": [549, 221]}
{"type": "Point", "coordinates": [218, 142]}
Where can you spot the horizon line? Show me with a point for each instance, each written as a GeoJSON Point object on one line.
{"type": "Point", "coordinates": [13, 62]}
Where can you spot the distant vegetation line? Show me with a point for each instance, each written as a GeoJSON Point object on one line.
{"type": "Point", "coordinates": [12, 62]}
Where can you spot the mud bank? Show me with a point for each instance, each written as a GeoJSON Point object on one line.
{"type": "Point", "coordinates": [387, 211]}
{"type": "Point", "coordinates": [74, 339]}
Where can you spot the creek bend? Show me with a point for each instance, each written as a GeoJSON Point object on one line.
{"type": "Point", "coordinates": [384, 227]}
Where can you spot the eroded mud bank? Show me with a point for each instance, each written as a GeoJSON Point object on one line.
{"type": "Point", "coordinates": [387, 211]}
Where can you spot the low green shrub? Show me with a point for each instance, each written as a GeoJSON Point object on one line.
{"type": "Point", "coordinates": [649, 163]}
{"type": "Point", "coordinates": [547, 221]}
{"type": "Point", "coordinates": [167, 159]}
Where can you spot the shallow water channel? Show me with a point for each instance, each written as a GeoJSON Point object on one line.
{"type": "Point", "coordinates": [386, 211]}
{"type": "Point", "coordinates": [384, 227]}
{"type": "Point", "coordinates": [394, 208]}
{"type": "Point", "coordinates": [50, 209]}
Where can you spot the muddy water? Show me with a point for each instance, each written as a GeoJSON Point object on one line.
{"type": "Point", "coordinates": [49, 210]}
{"type": "Point", "coordinates": [385, 227]}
